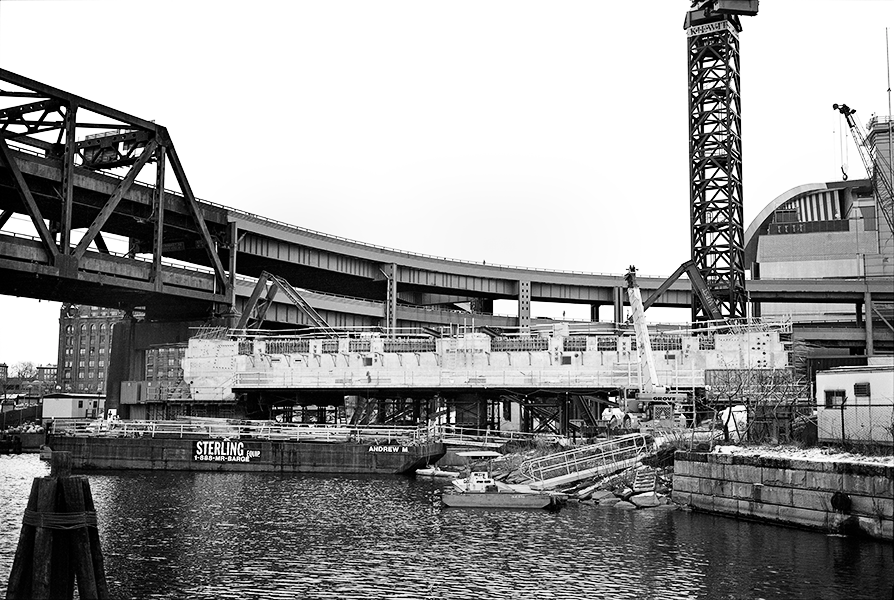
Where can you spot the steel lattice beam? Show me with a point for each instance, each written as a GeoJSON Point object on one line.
{"type": "Point", "coordinates": [715, 163]}
{"type": "Point", "coordinates": [126, 141]}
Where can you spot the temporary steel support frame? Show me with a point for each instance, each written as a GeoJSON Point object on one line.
{"type": "Point", "coordinates": [20, 123]}
{"type": "Point", "coordinates": [390, 271]}
{"type": "Point", "coordinates": [715, 164]}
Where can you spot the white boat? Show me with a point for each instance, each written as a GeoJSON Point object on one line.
{"type": "Point", "coordinates": [433, 471]}
{"type": "Point", "coordinates": [481, 490]}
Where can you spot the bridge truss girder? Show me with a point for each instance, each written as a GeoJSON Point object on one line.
{"type": "Point", "coordinates": [42, 120]}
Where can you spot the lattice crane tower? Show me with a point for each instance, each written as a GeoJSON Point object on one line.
{"type": "Point", "coordinates": [715, 152]}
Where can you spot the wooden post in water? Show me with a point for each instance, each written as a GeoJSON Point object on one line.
{"type": "Point", "coordinates": [59, 542]}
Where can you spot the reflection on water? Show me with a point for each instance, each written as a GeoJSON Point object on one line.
{"type": "Point", "coordinates": [244, 535]}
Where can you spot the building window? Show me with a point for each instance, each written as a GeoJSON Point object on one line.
{"type": "Point", "coordinates": [92, 363]}
{"type": "Point", "coordinates": [83, 328]}
{"type": "Point", "coordinates": [81, 363]}
{"type": "Point", "coordinates": [80, 374]}
{"type": "Point", "coordinates": [834, 398]}
{"type": "Point", "coordinates": [80, 404]}
{"type": "Point", "coordinates": [100, 375]}
{"type": "Point", "coordinates": [861, 390]}
{"type": "Point", "coordinates": [102, 350]}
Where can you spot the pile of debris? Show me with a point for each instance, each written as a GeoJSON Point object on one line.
{"type": "Point", "coordinates": [647, 485]}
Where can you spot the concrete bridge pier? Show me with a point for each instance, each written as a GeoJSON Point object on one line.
{"type": "Point", "coordinates": [131, 338]}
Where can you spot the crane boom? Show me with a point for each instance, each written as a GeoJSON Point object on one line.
{"type": "Point", "coordinates": [649, 375]}
{"type": "Point", "coordinates": [875, 169]}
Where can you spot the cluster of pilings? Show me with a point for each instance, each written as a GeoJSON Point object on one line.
{"type": "Point", "coordinates": [59, 542]}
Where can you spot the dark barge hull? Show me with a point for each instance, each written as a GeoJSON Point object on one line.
{"type": "Point", "coordinates": [182, 454]}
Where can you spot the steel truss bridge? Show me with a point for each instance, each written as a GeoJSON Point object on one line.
{"type": "Point", "coordinates": [70, 166]}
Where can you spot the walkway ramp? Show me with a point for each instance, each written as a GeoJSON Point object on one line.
{"type": "Point", "coordinates": [603, 458]}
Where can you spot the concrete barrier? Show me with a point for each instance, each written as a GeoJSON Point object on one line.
{"type": "Point", "coordinates": [845, 497]}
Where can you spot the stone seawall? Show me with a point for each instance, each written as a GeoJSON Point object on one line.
{"type": "Point", "coordinates": [846, 497]}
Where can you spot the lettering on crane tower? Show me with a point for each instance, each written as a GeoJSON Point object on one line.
{"type": "Point", "coordinates": [714, 27]}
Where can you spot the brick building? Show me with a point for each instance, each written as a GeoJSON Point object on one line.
{"type": "Point", "coordinates": [85, 344]}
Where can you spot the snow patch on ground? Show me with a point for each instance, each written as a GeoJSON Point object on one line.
{"type": "Point", "coordinates": [815, 454]}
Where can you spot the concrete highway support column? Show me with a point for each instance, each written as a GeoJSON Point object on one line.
{"type": "Point", "coordinates": [127, 361]}
{"type": "Point", "coordinates": [232, 312]}
{"type": "Point", "coordinates": [618, 296]}
{"type": "Point", "coordinates": [867, 304]}
{"type": "Point", "coordinates": [390, 271]}
{"type": "Point", "coordinates": [594, 313]}
{"type": "Point", "coordinates": [482, 306]}
{"type": "Point", "coordinates": [524, 306]}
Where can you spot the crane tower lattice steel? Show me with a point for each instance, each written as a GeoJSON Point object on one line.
{"type": "Point", "coordinates": [715, 152]}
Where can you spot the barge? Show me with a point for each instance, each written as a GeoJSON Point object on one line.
{"type": "Point", "coordinates": [187, 447]}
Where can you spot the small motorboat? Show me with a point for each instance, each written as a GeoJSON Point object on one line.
{"type": "Point", "coordinates": [481, 490]}
{"type": "Point", "coordinates": [433, 471]}
{"type": "Point", "coordinates": [46, 453]}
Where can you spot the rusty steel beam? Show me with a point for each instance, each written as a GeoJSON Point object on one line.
{"type": "Point", "coordinates": [101, 244]}
{"type": "Point", "coordinates": [28, 200]}
{"type": "Point", "coordinates": [14, 112]}
{"type": "Point", "coordinates": [47, 90]}
{"type": "Point", "coordinates": [193, 205]}
{"type": "Point", "coordinates": [109, 208]}
{"type": "Point", "coordinates": [252, 301]}
{"type": "Point", "coordinates": [158, 223]}
{"type": "Point", "coordinates": [68, 179]}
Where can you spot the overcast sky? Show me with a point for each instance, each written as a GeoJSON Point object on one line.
{"type": "Point", "coordinates": [540, 134]}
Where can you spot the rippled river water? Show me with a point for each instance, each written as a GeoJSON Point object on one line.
{"type": "Point", "coordinates": [251, 535]}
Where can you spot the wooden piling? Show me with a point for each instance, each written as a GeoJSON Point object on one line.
{"type": "Point", "coordinates": [73, 493]}
{"type": "Point", "coordinates": [43, 540]}
{"type": "Point", "coordinates": [59, 542]}
{"type": "Point", "coordinates": [19, 585]}
{"type": "Point", "coordinates": [99, 569]}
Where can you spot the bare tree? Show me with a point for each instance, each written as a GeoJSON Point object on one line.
{"type": "Point", "coordinates": [769, 396]}
{"type": "Point", "coordinates": [24, 370]}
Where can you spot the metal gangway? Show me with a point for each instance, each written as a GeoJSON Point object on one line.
{"type": "Point", "coordinates": [602, 458]}
{"type": "Point", "coordinates": [453, 435]}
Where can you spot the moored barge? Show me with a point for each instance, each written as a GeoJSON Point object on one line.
{"type": "Point", "coordinates": [233, 447]}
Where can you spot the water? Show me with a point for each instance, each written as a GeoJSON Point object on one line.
{"type": "Point", "coordinates": [252, 535]}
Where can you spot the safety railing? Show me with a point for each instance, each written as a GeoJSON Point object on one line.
{"type": "Point", "coordinates": [240, 429]}
{"type": "Point", "coordinates": [486, 438]}
{"type": "Point", "coordinates": [606, 456]}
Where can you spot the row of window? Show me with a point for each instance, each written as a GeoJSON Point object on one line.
{"type": "Point", "coordinates": [83, 351]}
{"type": "Point", "coordinates": [66, 375]}
{"type": "Point", "coordinates": [92, 328]}
{"type": "Point", "coordinates": [836, 398]}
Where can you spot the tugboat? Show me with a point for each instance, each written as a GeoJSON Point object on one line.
{"type": "Point", "coordinates": [481, 490]}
